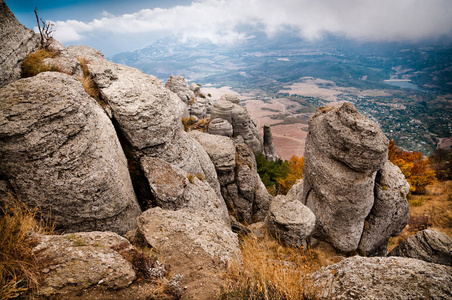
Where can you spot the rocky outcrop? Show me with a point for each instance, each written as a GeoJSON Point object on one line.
{"type": "Point", "coordinates": [220, 127]}
{"type": "Point", "coordinates": [390, 212]}
{"type": "Point", "coordinates": [383, 278]}
{"type": "Point", "coordinates": [198, 105]}
{"type": "Point", "coordinates": [344, 151]}
{"type": "Point", "coordinates": [83, 260]}
{"type": "Point", "coordinates": [16, 43]}
{"type": "Point", "coordinates": [428, 245]}
{"type": "Point", "coordinates": [269, 146]}
{"type": "Point", "coordinates": [241, 187]}
{"type": "Point", "coordinates": [173, 189]}
{"type": "Point", "coordinates": [228, 108]}
{"type": "Point", "coordinates": [196, 246]}
{"type": "Point", "coordinates": [149, 115]}
{"type": "Point", "coordinates": [290, 221]}
{"type": "Point", "coordinates": [60, 152]}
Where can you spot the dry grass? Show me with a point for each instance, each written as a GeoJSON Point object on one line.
{"type": "Point", "coordinates": [34, 63]}
{"type": "Point", "coordinates": [200, 125]}
{"type": "Point", "coordinates": [270, 270]}
{"type": "Point", "coordinates": [89, 85]}
{"type": "Point", "coordinates": [432, 210]}
{"type": "Point", "coordinates": [19, 266]}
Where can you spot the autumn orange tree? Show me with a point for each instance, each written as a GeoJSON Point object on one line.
{"type": "Point", "coordinates": [414, 166]}
{"type": "Point", "coordinates": [296, 171]}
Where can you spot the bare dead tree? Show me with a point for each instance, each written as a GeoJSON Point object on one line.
{"type": "Point", "coordinates": [46, 30]}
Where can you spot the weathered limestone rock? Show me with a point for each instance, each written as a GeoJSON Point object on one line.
{"type": "Point", "coordinates": [269, 147]}
{"type": "Point", "coordinates": [290, 220]}
{"type": "Point", "coordinates": [177, 84]}
{"type": "Point", "coordinates": [390, 212]}
{"type": "Point", "coordinates": [173, 189]}
{"type": "Point", "coordinates": [198, 105]}
{"type": "Point", "coordinates": [228, 108]}
{"type": "Point", "coordinates": [60, 152]}
{"type": "Point", "coordinates": [220, 127]}
{"type": "Point", "coordinates": [83, 260]}
{"type": "Point", "coordinates": [241, 187]}
{"type": "Point", "coordinates": [296, 191]}
{"type": "Point", "coordinates": [149, 115]}
{"type": "Point", "coordinates": [383, 278]}
{"type": "Point", "coordinates": [16, 43]}
{"type": "Point", "coordinates": [344, 151]}
{"type": "Point", "coordinates": [195, 246]}
{"type": "Point", "coordinates": [428, 245]}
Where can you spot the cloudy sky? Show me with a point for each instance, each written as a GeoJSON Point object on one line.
{"type": "Point", "coordinates": [114, 26]}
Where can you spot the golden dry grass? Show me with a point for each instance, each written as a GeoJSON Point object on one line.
{"type": "Point", "coordinates": [19, 266]}
{"type": "Point", "coordinates": [432, 210]}
{"type": "Point", "coordinates": [271, 270]}
{"type": "Point", "coordinates": [34, 63]}
{"type": "Point", "coordinates": [88, 83]}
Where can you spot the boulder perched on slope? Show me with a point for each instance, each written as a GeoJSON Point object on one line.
{"type": "Point", "coordinates": [60, 152]}
{"type": "Point", "coordinates": [428, 245]}
{"type": "Point", "coordinates": [383, 278]}
{"type": "Point", "coordinates": [290, 221]}
{"type": "Point", "coordinates": [83, 260]}
{"type": "Point", "coordinates": [344, 151]}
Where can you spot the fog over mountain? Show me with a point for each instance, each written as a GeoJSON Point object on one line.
{"type": "Point", "coordinates": [232, 21]}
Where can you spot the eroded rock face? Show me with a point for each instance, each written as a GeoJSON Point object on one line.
{"type": "Point", "coordinates": [241, 187]}
{"type": "Point", "coordinates": [228, 108]}
{"type": "Point", "coordinates": [428, 245]}
{"type": "Point", "coordinates": [174, 189]}
{"type": "Point", "coordinates": [383, 278]}
{"type": "Point", "coordinates": [17, 42]}
{"type": "Point", "coordinates": [195, 245]}
{"type": "Point", "coordinates": [149, 115]}
{"type": "Point", "coordinates": [60, 152]}
{"type": "Point", "coordinates": [220, 127]}
{"type": "Point", "coordinates": [390, 212]}
{"type": "Point", "coordinates": [83, 260]}
{"type": "Point", "coordinates": [344, 151]}
{"type": "Point", "coordinates": [290, 220]}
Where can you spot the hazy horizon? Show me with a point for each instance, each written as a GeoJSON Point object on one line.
{"type": "Point", "coordinates": [117, 26]}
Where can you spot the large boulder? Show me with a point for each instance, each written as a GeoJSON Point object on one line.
{"type": "Point", "coordinates": [241, 187]}
{"type": "Point", "coordinates": [60, 152]}
{"type": "Point", "coordinates": [383, 278]}
{"type": "Point", "coordinates": [174, 188]}
{"type": "Point", "coordinates": [83, 260]}
{"type": "Point", "coordinates": [17, 42]}
{"type": "Point", "coordinates": [290, 221]}
{"type": "Point", "coordinates": [428, 245]}
{"type": "Point", "coordinates": [149, 115]}
{"type": "Point", "coordinates": [344, 151]}
{"type": "Point", "coordinates": [390, 212]}
{"type": "Point", "coordinates": [195, 245]}
{"type": "Point", "coordinates": [220, 126]}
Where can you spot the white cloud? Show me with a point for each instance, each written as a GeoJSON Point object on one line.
{"type": "Point", "coordinates": [219, 20]}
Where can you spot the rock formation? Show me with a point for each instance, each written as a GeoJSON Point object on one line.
{"type": "Point", "coordinates": [344, 151]}
{"type": "Point", "coordinates": [428, 245]}
{"type": "Point", "coordinates": [241, 187]}
{"type": "Point", "coordinates": [228, 108]}
{"type": "Point", "coordinates": [383, 278]}
{"type": "Point", "coordinates": [60, 153]}
{"type": "Point", "coordinates": [390, 212]}
{"type": "Point", "coordinates": [269, 146]}
{"type": "Point", "coordinates": [197, 104]}
{"type": "Point", "coordinates": [290, 221]}
{"type": "Point", "coordinates": [147, 114]}
{"type": "Point", "coordinates": [83, 260]}
{"type": "Point", "coordinates": [16, 43]}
